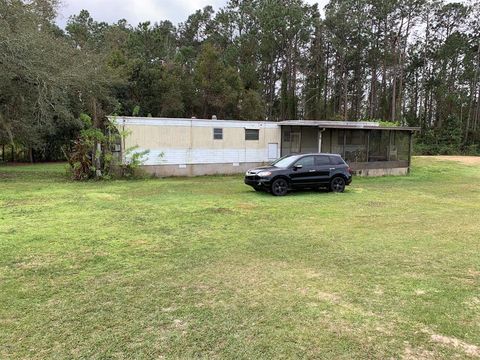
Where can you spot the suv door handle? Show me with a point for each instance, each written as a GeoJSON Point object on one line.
{"type": "Point", "coordinates": [311, 170]}
{"type": "Point", "coordinates": [332, 168]}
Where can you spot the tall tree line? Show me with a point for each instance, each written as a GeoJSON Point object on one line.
{"type": "Point", "coordinates": [413, 62]}
{"type": "Point", "coordinates": [45, 82]}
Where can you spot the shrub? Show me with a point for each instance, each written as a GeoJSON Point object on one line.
{"type": "Point", "coordinates": [133, 160]}
{"type": "Point", "coordinates": [91, 155]}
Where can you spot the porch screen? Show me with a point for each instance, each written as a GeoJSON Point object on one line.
{"type": "Point", "coordinates": [402, 144]}
{"type": "Point", "coordinates": [355, 145]}
{"type": "Point", "coordinates": [379, 145]}
{"type": "Point", "coordinates": [337, 141]}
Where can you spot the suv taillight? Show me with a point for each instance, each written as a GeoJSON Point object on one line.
{"type": "Point", "coordinates": [350, 170]}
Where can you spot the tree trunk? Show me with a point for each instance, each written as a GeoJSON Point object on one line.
{"type": "Point", "coordinates": [403, 55]}
{"type": "Point", "coordinates": [397, 61]}
{"type": "Point", "coordinates": [384, 109]}
{"type": "Point", "coordinates": [471, 114]}
{"type": "Point", "coordinates": [325, 88]}
{"type": "Point", "coordinates": [373, 85]}
{"type": "Point", "coordinates": [373, 92]}
{"type": "Point", "coordinates": [477, 112]}
{"type": "Point", "coordinates": [97, 148]}
{"type": "Point", "coordinates": [335, 85]}
{"type": "Point", "coordinates": [430, 106]}
{"type": "Point", "coordinates": [424, 75]}
{"type": "Point", "coordinates": [394, 93]}
{"type": "Point", "coordinates": [345, 89]}
{"type": "Point", "coordinates": [415, 99]}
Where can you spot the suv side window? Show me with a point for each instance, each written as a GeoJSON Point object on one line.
{"type": "Point", "coordinates": [306, 161]}
{"type": "Point", "coordinates": [336, 160]}
{"type": "Point", "coordinates": [321, 160]}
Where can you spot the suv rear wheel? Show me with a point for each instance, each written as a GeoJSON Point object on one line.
{"type": "Point", "coordinates": [337, 184]}
{"type": "Point", "coordinates": [279, 187]}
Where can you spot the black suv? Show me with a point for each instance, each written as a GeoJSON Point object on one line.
{"type": "Point", "coordinates": [300, 172]}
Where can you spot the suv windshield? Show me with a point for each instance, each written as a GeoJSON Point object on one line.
{"type": "Point", "coordinates": [285, 161]}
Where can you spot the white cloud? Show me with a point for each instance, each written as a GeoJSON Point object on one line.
{"type": "Point", "coordinates": [136, 11]}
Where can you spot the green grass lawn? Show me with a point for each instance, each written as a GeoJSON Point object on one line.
{"type": "Point", "coordinates": [206, 267]}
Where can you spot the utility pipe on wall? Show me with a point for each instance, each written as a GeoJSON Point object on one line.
{"type": "Point", "coordinates": [320, 131]}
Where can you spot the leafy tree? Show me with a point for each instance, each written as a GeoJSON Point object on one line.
{"type": "Point", "coordinates": [217, 86]}
{"type": "Point", "coordinates": [252, 106]}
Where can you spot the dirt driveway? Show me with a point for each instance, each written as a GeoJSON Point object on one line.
{"type": "Point", "coordinates": [467, 160]}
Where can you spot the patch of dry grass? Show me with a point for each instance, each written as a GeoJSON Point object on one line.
{"type": "Point", "coordinates": [466, 160]}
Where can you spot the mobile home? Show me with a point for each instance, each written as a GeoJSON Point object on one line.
{"type": "Point", "coordinates": [189, 147]}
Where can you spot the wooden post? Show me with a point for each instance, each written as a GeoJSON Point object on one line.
{"type": "Point", "coordinates": [368, 144]}
{"type": "Point", "coordinates": [122, 143]}
{"type": "Point", "coordinates": [389, 143]}
{"type": "Point", "coordinates": [300, 131]}
{"type": "Point", "coordinates": [344, 142]}
{"type": "Point", "coordinates": [98, 163]}
{"type": "Point", "coordinates": [331, 140]}
{"type": "Point", "coordinates": [13, 153]}
{"type": "Point", "coordinates": [290, 129]}
{"type": "Point", "coordinates": [410, 150]}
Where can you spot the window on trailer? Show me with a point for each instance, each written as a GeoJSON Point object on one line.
{"type": "Point", "coordinates": [217, 134]}
{"type": "Point", "coordinates": [252, 134]}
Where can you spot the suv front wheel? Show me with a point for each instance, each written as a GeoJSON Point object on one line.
{"type": "Point", "coordinates": [279, 187]}
{"type": "Point", "coordinates": [337, 184]}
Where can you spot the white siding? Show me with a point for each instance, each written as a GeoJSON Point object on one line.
{"type": "Point", "coordinates": [204, 156]}
{"type": "Point", "coordinates": [190, 141]}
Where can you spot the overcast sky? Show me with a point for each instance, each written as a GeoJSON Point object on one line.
{"type": "Point", "coordinates": [136, 11]}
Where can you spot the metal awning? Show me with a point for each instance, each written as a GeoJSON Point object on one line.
{"type": "Point", "coordinates": [360, 125]}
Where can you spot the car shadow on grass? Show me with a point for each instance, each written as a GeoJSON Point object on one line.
{"type": "Point", "coordinates": [297, 192]}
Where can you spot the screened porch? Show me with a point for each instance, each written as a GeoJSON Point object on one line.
{"type": "Point", "coordinates": [362, 146]}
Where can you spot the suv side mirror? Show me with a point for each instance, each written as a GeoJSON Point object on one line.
{"type": "Point", "coordinates": [297, 166]}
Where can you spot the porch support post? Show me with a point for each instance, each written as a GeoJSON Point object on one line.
{"type": "Point", "coordinates": [368, 144]}
{"type": "Point", "coordinates": [389, 144]}
{"type": "Point", "coordinates": [280, 145]}
{"type": "Point", "coordinates": [301, 131]}
{"type": "Point", "coordinates": [331, 140]}
{"type": "Point", "coordinates": [410, 150]}
{"type": "Point", "coordinates": [290, 140]}
{"type": "Point", "coordinates": [319, 140]}
{"type": "Point", "coordinates": [344, 142]}
{"type": "Point", "coordinates": [320, 133]}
